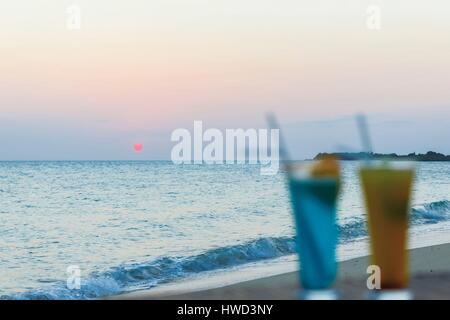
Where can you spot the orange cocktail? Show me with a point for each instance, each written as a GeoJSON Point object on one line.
{"type": "Point", "coordinates": [387, 192]}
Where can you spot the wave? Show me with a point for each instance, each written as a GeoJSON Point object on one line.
{"type": "Point", "coordinates": [429, 213]}
{"type": "Point", "coordinates": [433, 212]}
{"type": "Point", "coordinates": [165, 269]}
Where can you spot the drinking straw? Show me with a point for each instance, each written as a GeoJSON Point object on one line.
{"type": "Point", "coordinates": [365, 136]}
{"type": "Point", "coordinates": [273, 124]}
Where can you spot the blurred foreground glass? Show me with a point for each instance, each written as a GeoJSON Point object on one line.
{"type": "Point", "coordinates": [314, 189]}
{"type": "Point", "coordinates": [387, 191]}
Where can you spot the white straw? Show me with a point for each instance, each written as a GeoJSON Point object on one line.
{"type": "Point", "coordinates": [273, 124]}
{"type": "Point", "coordinates": [364, 134]}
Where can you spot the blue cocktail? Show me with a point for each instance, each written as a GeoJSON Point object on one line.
{"type": "Point", "coordinates": [313, 199]}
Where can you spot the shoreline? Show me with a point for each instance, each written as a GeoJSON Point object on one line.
{"type": "Point", "coordinates": [429, 271]}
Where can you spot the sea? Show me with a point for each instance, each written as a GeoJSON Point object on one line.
{"type": "Point", "coordinates": [90, 229]}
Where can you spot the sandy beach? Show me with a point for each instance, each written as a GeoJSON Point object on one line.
{"type": "Point", "coordinates": [430, 279]}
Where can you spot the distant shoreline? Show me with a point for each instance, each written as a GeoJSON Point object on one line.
{"type": "Point", "coordinates": [346, 156]}
{"type": "Point", "coordinates": [429, 156]}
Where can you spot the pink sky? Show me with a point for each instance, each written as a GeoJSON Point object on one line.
{"type": "Point", "coordinates": [136, 70]}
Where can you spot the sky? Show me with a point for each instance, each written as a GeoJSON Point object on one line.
{"type": "Point", "coordinates": [137, 70]}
